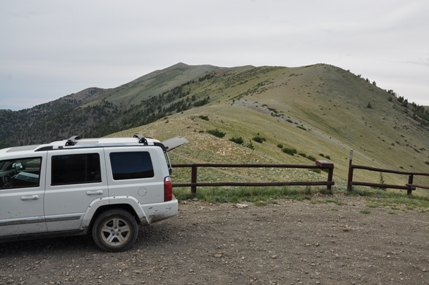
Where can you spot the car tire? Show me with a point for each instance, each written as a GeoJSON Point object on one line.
{"type": "Point", "coordinates": [115, 230]}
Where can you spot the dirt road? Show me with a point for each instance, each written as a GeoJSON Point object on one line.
{"type": "Point", "coordinates": [286, 243]}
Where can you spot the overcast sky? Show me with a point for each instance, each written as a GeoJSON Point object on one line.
{"type": "Point", "coordinates": [50, 49]}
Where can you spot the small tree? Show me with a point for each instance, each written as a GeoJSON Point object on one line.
{"type": "Point", "coordinates": [216, 133]}
{"type": "Point", "coordinates": [238, 140]}
{"type": "Point", "coordinates": [259, 139]}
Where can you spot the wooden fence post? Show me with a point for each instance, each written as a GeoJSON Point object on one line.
{"type": "Point", "coordinates": [410, 182]}
{"type": "Point", "coordinates": [350, 176]}
{"type": "Point", "coordinates": [330, 166]}
{"type": "Point", "coordinates": [194, 179]}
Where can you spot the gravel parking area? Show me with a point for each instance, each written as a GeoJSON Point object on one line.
{"type": "Point", "coordinates": [292, 242]}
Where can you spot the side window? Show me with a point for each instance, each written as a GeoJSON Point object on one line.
{"type": "Point", "coordinates": [18, 173]}
{"type": "Point", "coordinates": [75, 169]}
{"type": "Point", "coordinates": [131, 165]}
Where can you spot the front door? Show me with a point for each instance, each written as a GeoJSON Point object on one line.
{"type": "Point", "coordinates": [22, 195]}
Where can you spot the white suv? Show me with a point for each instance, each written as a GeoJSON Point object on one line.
{"type": "Point", "coordinates": [105, 186]}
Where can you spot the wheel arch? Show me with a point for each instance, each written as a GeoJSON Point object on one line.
{"type": "Point", "coordinates": [102, 209]}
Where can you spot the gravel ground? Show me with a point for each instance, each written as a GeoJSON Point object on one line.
{"type": "Point", "coordinates": [286, 243]}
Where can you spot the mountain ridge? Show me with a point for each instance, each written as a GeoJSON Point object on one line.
{"type": "Point", "coordinates": [315, 109]}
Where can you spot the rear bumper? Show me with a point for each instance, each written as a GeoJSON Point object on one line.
{"type": "Point", "coordinates": [159, 211]}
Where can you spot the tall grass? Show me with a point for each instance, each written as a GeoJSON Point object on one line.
{"type": "Point", "coordinates": [394, 200]}
{"type": "Point", "coordinates": [248, 194]}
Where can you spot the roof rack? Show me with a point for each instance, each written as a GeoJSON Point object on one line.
{"type": "Point", "coordinates": [72, 141]}
{"type": "Point", "coordinates": [141, 138]}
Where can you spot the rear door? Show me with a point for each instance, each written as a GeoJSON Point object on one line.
{"type": "Point", "coordinates": [22, 195]}
{"type": "Point", "coordinates": [136, 172]}
{"type": "Point", "coordinates": [75, 179]}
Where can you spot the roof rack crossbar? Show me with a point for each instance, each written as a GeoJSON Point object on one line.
{"type": "Point", "coordinates": [72, 141]}
{"type": "Point", "coordinates": [141, 138]}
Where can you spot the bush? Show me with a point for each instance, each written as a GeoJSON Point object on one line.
{"type": "Point", "coordinates": [259, 139]}
{"type": "Point", "coordinates": [250, 145]}
{"type": "Point", "coordinates": [280, 145]}
{"type": "Point", "coordinates": [238, 140]}
{"type": "Point", "coordinates": [325, 156]}
{"type": "Point", "coordinates": [302, 154]}
{"type": "Point", "coordinates": [290, 151]}
{"type": "Point", "coordinates": [216, 133]}
{"type": "Point", "coordinates": [205, 118]}
{"type": "Point", "coordinates": [312, 158]}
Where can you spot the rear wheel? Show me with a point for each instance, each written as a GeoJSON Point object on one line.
{"type": "Point", "coordinates": [115, 230]}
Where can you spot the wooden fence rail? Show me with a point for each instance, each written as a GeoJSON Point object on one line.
{"type": "Point", "coordinates": [410, 186]}
{"type": "Point", "coordinates": [320, 164]}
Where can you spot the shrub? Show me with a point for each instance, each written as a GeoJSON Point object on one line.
{"type": "Point", "coordinates": [290, 151]}
{"type": "Point", "coordinates": [238, 140]}
{"type": "Point", "coordinates": [325, 156]}
{"type": "Point", "coordinates": [312, 158]}
{"type": "Point", "coordinates": [272, 110]}
{"type": "Point", "coordinates": [280, 145]}
{"type": "Point", "coordinates": [250, 145]}
{"type": "Point", "coordinates": [216, 133]}
{"type": "Point", "coordinates": [302, 154]}
{"type": "Point", "coordinates": [259, 139]}
{"type": "Point", "coordinates": [205, 118]}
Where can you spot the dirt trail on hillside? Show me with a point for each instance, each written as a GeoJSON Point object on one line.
{"type": "Point", "coordinates": [286, 243]}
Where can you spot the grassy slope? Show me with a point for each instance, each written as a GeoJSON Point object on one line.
{"type": "Point", "coordinates": [153, 84]}
{"type": "Point", "coordinates": [278, 104]}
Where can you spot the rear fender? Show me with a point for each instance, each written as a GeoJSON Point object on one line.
{"type": "Point", "coordinates": [111, 201]}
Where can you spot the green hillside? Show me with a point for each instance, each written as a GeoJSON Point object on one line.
{"type": "Point", "coordinates": [321, 111]}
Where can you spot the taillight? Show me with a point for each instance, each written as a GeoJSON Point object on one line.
{"type": "Point", "coordinates": [168, 189]}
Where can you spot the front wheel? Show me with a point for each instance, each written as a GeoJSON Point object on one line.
{"type": "Point", "coordinates": [115, 230]}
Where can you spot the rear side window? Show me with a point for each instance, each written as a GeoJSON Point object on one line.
{"type": "Point", "coordinates": [76, 169]}
{"type": "Point", "coordinates": [18, 173]}
{"type": "Point", "coordinates": [131, 165]}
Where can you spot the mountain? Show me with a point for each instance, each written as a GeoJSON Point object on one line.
{"type": "Point", "coordinates": [98, 112]}
{"type": "Point", "coordinates": [320, 111]}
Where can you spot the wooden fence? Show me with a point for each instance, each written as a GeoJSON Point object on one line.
{"type": "Point", "coordinates": [410, 186]}
{"type": "Point", "coordinates": [320, 164]}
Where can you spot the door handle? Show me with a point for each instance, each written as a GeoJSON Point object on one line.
{"type": "Point", "coordinates": [32, 197]}
{"type": "Point", "coordinates": [95, 192]}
